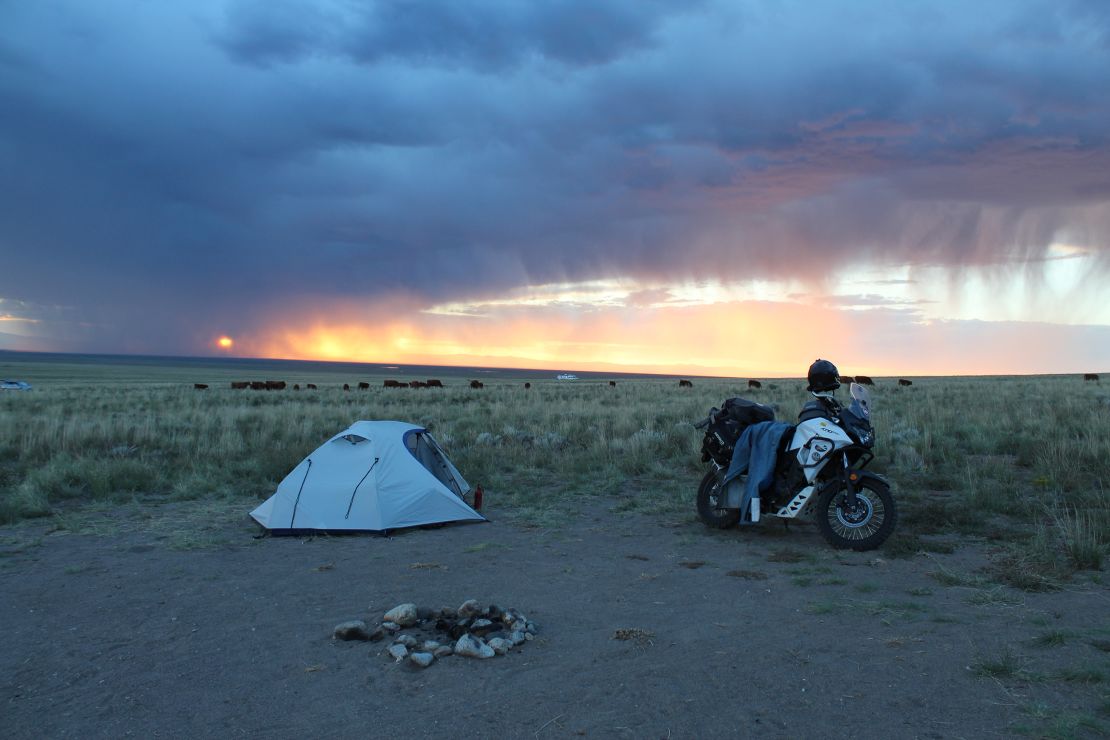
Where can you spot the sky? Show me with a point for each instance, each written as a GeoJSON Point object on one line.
{"type": "Point", "coordinates": [718, 187]}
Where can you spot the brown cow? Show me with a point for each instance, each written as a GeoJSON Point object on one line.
{"type": "Point", "coordinates": [1090, 376]}
{"type": "Point", "coordinates": [346, 386]}
{"type": "Point", "coordinates": [612, 384]}
{"type": "Point", "coordinates": [845, 379]}
{"type": "Point", "coordinates": [237, 385]}
{"type": "Point", "coordinates": [476, 384]}
{"type": "Point", "coordinates": [754, 384]}
{"type": "Point", "coordinates": [864, 380]}
{"type": "Point", "coordinates": [417, 384]}
{"type": "Point", "coordinates": [685, 384]}
{"type": "Point", "coordinates": [527, 386]}
{"type": "Point", "coordinates": [200, 386]}
{"type": "Point", "coordinates": [310, 386]}
{"type": "Point", "coordinates": [903, 381]}
{"type": "Point", "coordinates": [362, 386]}
{"type": "Point", "coordinates": [433, 383]}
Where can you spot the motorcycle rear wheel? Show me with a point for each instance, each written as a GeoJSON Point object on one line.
{"type": "Point", "coordinates": [710, 495]}
{"type": "Point", "coordinates": [864, 528]}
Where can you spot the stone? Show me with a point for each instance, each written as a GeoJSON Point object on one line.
{"type": "Point", "coordinates": [529, 636]}
{"type": "Point", "coordinates": [500, 645]}
{"type": "Point", "coordinates": [530, 627]}
{"type": "Point", "coordinates": [391, 627]}
{"type": "Point", "coordinates": [424, 613]}
{"type": "Point", "coordinates": [421, 660]}
{"type": "Point", "coordinates": [407, 640]}
{"type": "Point", "coordinates": [518, 625]}
{"type": "Point", "coordinates": [353, 630]}
{"type": "Point", "coordinates": [517, 637]}
{"type": "Point", "coordinates": [377, 634]}
{"type": "Point", "coordinates": [443, 651]}
{"type": "Point", "coordinates": [398, 652]}
{"type": "Point", "coordinates": [468, 608]}
{"type": "Point", "coordinates": [403, 615]}
{"type": "Point", "coordinates": [481, 627]}
{"type": "Point", "coordinates": [471, 647]}
{"type": "Point", "coordinates": [429, 646]}
{"type": "Point", "coordinates": [448, 612]}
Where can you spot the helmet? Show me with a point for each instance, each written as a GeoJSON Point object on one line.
{"type": "Point", "coordinates": [823, 376]}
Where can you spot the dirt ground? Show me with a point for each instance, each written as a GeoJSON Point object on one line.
{"type": "Point", "coordinates": [762, 633]}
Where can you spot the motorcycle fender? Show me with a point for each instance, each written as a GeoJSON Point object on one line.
{"type": "Point", "coordinates": [868, 475]}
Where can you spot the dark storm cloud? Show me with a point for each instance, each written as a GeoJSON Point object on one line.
{"type": "Point", "coordinates": [175, 168]}
{"type": "Point", "coordinates": [489, 35]}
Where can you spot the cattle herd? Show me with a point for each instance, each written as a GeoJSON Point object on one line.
{"type": "Point", "coordinates": [280, 385]}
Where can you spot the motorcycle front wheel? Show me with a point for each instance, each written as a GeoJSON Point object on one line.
{"type": "Point", "coordinates": [710, 498]}
{"type": "Point", "coordinates": [864, 527]}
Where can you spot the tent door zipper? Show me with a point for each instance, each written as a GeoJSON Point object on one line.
{"type": "Point", "coordinates": [352, 501]}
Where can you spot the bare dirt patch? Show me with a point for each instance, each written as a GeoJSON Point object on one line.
{"type": "Point", "coordinates": [144, 630]}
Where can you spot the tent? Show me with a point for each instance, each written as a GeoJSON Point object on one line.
{"type": "Point", "coordinates": [374, 476]}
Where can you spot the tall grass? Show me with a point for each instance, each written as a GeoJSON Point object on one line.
{"type": "Point", "coordinates": [961, 452]}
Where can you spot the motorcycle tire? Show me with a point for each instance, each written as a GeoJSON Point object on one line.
{"type": "Point", "coordinates": [709, 498]}
{"type": "Point", "coordinates": [867, 527]}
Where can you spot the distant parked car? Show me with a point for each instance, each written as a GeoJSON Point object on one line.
{"type": "Point", "coordinates": [14, 385]}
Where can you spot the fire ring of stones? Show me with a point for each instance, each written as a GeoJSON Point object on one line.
{"type": "Point", "coordinates": [422, 635]}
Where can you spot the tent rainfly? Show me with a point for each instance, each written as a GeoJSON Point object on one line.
{"type": "Point", "coordinates": [376, 475]}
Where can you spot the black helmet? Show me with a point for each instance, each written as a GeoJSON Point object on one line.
{"type": "Point", "coordinates": [823, 376]}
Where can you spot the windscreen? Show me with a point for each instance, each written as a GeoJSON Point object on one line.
{"type": "Point", "coordinates": [861, 401]}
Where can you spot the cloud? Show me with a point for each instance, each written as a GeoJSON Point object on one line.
{"type": "Point", "coordinates": [176, 170]}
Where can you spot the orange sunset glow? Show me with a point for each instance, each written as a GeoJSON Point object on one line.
{"type": "Point", "coordinates": [601, 328]}
{"type": "Point", "coordinates": [225, 342]}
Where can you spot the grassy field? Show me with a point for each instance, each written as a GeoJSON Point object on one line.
{"type": "Point", "coordinates": [1018, 461]}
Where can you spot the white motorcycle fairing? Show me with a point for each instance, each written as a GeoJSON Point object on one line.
{"type": "Point", "coordinates": [815, 440]}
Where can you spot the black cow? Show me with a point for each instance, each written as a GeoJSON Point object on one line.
{"type": "Point", "coordinates": [864, 380]}
{"type": "Point", "coordinates": [845, 379]}
{"type": "Point", "coordinates": [476, 384]}
{"type": "Point", "coordinates": [417, 384]}
{"type": "Point", "coordinates": [258, 385]}
{"type": "Point", "coordinates": [296, 386]}
{"type": "Point", "coordinates": [238, 385]}
{"type": "Point", "coordinates": [433, 383]}
{"type": "Point", "coordinates": [362, 386]}
{"type": "Point", "coordinates": [346, 386]}
{"type": "Point", "coordinates": [1090, 376]}
{"type": "Point", "coordinates": [612, 384]}
{"type": "Point", "coordinates": [527, 386]}
{"type": "Point", "coordinates": [754, 384]}
{"type": "Point", "coordinates": [903, 381]}
{"type": "Point", "coordinates": [200, 386]}
{"type": "Point", "coordinates": [275, 385]}
{"type": "Point", "coordinates": [685, 384]}
{"type": "Point", "coordinates": [392, 384]}
{"type": "Point", "coordinates": [310, 386]}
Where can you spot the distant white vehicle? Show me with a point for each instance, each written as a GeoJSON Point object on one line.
{"type": "Point", "coordinates": [566, 376]}
{"type": "Point", "coordinates": [14, 385]}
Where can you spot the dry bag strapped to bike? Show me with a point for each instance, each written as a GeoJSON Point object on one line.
{"type": "Point", "coordinates": [726, 424]}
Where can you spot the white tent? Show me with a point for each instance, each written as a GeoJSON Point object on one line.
{"type": "Point", "coordinates": [374, 476]}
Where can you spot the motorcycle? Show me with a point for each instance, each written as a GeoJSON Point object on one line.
{"type": "Point", "coordinates": [818, 472]}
